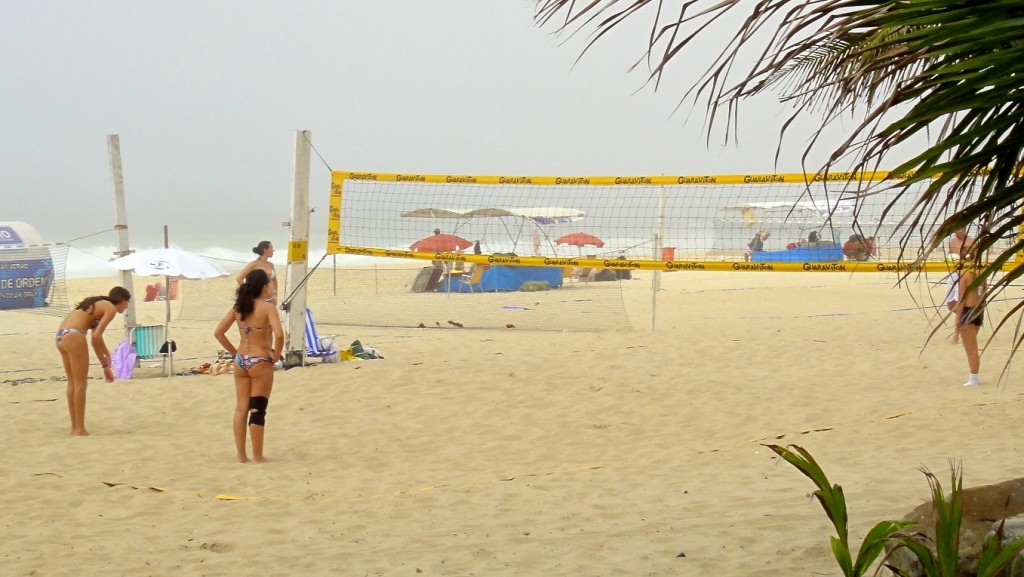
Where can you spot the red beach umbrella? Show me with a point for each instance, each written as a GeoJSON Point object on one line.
{"type": "Point", "coordinates": [440, 243]}
{"type": "Point", "coordinates": [580, 239]}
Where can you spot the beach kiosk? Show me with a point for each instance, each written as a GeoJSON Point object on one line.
{"type": "Point", "coordinates": [26, 268]}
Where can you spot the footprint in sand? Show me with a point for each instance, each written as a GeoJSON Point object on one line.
{"type": "Point", "coordinates": [217, 547]}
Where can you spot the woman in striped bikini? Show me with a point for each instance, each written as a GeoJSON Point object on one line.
{"type": "Point", "coordinates": [93, 313]}
{"type": "Point", "coordinates": [261, 345]}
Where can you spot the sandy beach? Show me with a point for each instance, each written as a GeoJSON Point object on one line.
{"type": "Point", "coordinates": [513, 452]}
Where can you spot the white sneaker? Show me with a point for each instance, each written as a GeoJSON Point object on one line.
{"type": "Point", "coordinates": [972, 383]}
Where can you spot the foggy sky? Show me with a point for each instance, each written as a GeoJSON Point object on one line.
{"type": "Point", "coordinates": [206, 97]}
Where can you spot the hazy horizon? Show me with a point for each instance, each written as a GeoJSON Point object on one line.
{"type": "Point", "coordinates": [206, 99]}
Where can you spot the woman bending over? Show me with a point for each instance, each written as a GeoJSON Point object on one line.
{"type": "Point", "coordinates": [92, 314]}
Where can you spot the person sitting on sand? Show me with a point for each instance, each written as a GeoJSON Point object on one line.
{"type": "Point", "coordinates": [623, 273]}
{"type": "Point", "coordinates": [813, 241]}
{"type": "Point", "coordinates": [261, 345]}
{"type": "Point", "coordinates": [92, 313]}
{"type": "Point", "coordinates": [859, 248]}
{"type": "Point", "coordinates": [756, 244]}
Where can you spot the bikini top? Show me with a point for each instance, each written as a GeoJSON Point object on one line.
{"type": "Point", "coordinates": [95, 321]}
{"type": "Point", "coordinates": [247, 330]}
{"type": "Point", "coordinates": [273, 272]}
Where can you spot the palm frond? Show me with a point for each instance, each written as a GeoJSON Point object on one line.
{"type": "Point", "coordinates": [949, 70]}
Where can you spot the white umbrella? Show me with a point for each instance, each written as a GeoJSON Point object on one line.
{"type": "Point", "coordinates": [169, 263]}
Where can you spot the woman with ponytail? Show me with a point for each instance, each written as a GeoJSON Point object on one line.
{"type": "Point", "coordinates": [261, 344]}
{"type": "Point", "coordinates": [92, 314]}
{"type": "Point", "coordinates": [263, 251]}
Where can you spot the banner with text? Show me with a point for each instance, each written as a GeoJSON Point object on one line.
{"type": "Point", "coordinates": [26, 275]}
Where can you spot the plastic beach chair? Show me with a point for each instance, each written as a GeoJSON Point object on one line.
{"type": "Point", "coordinates": [150, 344]}
{"type": "Point", "coordinates": [147, 341]}
{"type": "Point", "coordinates": [475, 278]}
{"type": "Point", "coordinates": [314, 346]}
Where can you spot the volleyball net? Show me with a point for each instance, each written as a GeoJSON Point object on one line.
{"type": "Point", "coordinates": [842, 222]}
{"type": "Point", "coordinates": [557, 252]}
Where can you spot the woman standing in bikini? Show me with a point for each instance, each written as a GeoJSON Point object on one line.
{"type": "Point", "coordinates": [263, 251]}
{"type": "Point", "coordinates": [969, 311]}
{"type": "Point", "coordinates": [261, 344]}
{"type": "Point", "coordinates": [93, 313]}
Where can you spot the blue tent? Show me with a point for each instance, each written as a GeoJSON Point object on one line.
{"type": "Point", "coordinates": [504, 278]}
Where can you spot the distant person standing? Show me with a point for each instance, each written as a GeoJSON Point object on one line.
{"type": "Point", "coordinates": [957, 243]}
{"type": "Point", "coordinates": [264, 251]}
{"type": "Point", "coordinates": [93, 313]}
{"type": "Point", "coordinates": [969, 311]}
{"type": "Point", "coordinates": [536, 243]}
{"type": "Point", "coordinates": [476, 248]}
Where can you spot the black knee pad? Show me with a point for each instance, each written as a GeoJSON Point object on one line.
{"type": "Point", "coordinates": [258, 410]}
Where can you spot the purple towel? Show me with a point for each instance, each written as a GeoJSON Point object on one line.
{"type": "Point", "coordinates": [123, 361]}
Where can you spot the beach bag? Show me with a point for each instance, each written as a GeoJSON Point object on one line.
{"type": "Point", "coordinates": [328, 349]}
{"type": "Point", "coordinates": [365, 353]}
{"type": "Point", "coordinates": [326, 344]}
{"type": "Point", "coordinates": [357, 349]}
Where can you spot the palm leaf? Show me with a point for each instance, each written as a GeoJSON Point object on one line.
{"type": "Point", "coordinates": [950, 70]}
{"type": "Point", "coordinates": [829, 496]}
{"type": "Point", "coordinates": [874, 543]}
{"type": "Point", "coordinates": [924, 555]}
{"type": "Point", "coordinates": [995, 555]}
{"type": "Point", "coordinates": [832, 500]}
{"type": "Point", "coordinates": [947, 521]}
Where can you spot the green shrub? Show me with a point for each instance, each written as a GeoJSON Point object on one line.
{"type": "Point", "coordinates": [943, 561]}
{"type": "Point", "coordinates": [834, 503]}
{"type": "Point", "coordinates": [940, 562]}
